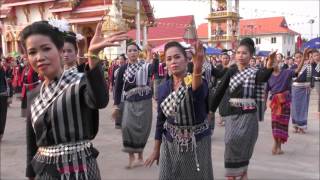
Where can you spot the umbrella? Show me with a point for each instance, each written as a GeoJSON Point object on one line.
{"type": "Point", "coordinates": [263, 53]}
{"type": "Point", "coordinates": [313, 43]}
{"type": "Point", "coordinates": [213, 51]}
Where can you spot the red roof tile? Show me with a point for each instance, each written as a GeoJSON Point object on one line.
{"type": "Point", "coordinates": [259, 26]}
{"type": "Point", "coordinates": [172, 28]}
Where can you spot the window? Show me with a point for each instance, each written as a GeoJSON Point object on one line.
{"type": "Point", "coordinates": [273, 40]}
{"type": "Point", "coordinates": [258, 40]}
{"type": "Point", "coordinates": [284, 40]}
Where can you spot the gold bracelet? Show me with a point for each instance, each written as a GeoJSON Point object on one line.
{"type": "Point", "coordinates": [196, 75]}
{"type": "Point", "coordinates": [92, 56]}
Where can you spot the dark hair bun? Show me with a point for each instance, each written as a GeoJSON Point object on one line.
{"type": "Point", "coordinates": [43, 28]}
{"type": "Point", "coordinates": [248, 42]}
{"type": "Point", "coordinates": [71, 38]}
{"type": "Point", "coordinates": [133, 44]}
{"type": "Point", "coordinates": [71, 34]}
{"type": "Point", "coordinates": [177, 45]}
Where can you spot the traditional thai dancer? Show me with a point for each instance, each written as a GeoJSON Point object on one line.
{"type": "Point", "coordinates": [73, 52]}
{"type": "Point", "coordinates": [301, 88]}
{"type": "Point", "coordinates": [183, 136]}
{"type": "Point", "coordinates": [279, 86]}
{"type": "Point", "coordinates": [121, 60]}
{"type": "Point", "coordinates": [133, 88]}
{"type": "Point", "coordinates": [63, 114]}
{"type": "Point", "coordinates": [316, 74]}
{"type": "Point", "coordinates": [239, 85]}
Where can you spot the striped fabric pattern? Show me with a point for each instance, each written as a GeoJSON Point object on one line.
{"type": "Point", "coordinates": [300, 106]}
{"type": "Point", "coordinates": [280, 115]}
{"type": "Point", "coordinates": [66, 116]}
{"type": "Point", "coordinates": [136, 125]}
{"type": "Point", "coordinates": [51, 92]}
{"type": "Point", "coordinates": [241, 134]}
{"type": "Point", "coordinates": [318, 67]}
{"type": "Point", "coordinates": [181, 166]}
{"type": "Point", "coordinates": [92, 173]}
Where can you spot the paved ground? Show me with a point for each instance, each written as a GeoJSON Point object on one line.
{"type": "Point", "coordinates": [300, 161]}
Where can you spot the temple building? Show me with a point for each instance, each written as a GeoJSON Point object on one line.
{"type": "Point", "coordinates": [83, 16]}
{"type": "Point", "coordinates": [223, 23]}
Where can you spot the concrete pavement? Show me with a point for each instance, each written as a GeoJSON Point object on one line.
{"type": "Point", "coordinates": [300, 161]}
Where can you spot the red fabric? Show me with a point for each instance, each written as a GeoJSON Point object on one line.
{"type": "Point", "coordinates": [299, 42]}
{"type": "Point", "coordinates": [161, 70]}
{"type": "Point", "coordinates": [16, 77]}
{"type": "Point", "coordinates": [29, 80]}
{"type": "Point", "coordinates": [72, 169]}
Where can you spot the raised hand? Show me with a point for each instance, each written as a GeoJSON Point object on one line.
{"type": "Point", "coordinates": [271, 58]}
{"type": "Point", "coordinates": [148, 49]}
{"type": "Point", "coordinates": [99, 42]}
{"type": "Point", "coordinates": [198, 58]}
{"type": "Point", "coordinates": [81, 47]}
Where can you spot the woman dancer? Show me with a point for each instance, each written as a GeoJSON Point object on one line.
{"type": "Point", "coordinates": [279, 86]}
{"type": "Point", "coordinates": [63, 116]}
{"type": "Point", "coordinates": [301, 88]}
{"type": "Point", "coordinates": [121, 60]}
{"type": "Point", "coordinates": [182, 140]}
{"type": "Point", "coordinates": [133, 88]}
{"type": "Point", "coordinates": [72, 51]}
{"type": "Point", "coordinates": [240, 109]}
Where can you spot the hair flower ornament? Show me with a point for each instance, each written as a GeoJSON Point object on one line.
{"type": "Point", "coordinates": [79, 37]}
{"type": "Point", "coordinates": [61, 24]}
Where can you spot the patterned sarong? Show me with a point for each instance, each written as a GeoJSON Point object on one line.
{"type": "Point", "coordinates": [280, 115]}
{"type": "Point", "coordinates": [299, 106]}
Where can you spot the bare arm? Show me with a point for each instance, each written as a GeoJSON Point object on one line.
{"type": "Point", "coordinates": [197, 66]}
{"type": "Point", "coordinates": [99, 42]}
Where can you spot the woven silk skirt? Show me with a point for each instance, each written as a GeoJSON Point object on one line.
{"type": "Point", "coordinates": [136, 125]}
{"type": "Point", "coordinates": [300, 106]}
{"type": "Point", "coordinates": [241, 133]}
{"type": "Point", "coordinates": [175, 165]}
{"type": "Point", "coordinates": [93, 173]}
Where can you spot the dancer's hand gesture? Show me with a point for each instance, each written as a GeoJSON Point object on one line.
{"type": "Point", "coordinates": [99, 42]}
{"type": "Point", "coordinates": [198, 58]}
{"type": "Point", "coordinates": [148, 49]}
{"type": "Point", "coordinates": [270, 59]}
